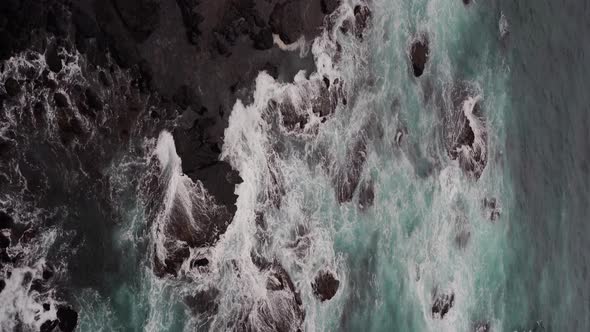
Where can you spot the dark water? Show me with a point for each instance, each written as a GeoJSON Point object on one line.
{"type": "Point", "coordinates": [548, 146]}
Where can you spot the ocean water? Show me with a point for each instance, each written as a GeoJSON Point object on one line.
{"type": "Point", "coordinates": [430, 232]}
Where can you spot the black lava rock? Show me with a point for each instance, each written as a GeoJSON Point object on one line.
{"type": "Point", "coordinates": [328, 6]}
{"type": "Point", "coordinates": [53, 58]}
{"type": "Point", "coordinates": [6, 220]}
{"type": "Point", "coordinates": [362, 15]}
{"type": "Point", "coordinates": [4, 241]}
{"type": "Point", "coordinates": [93, 100]}
{"type": "Point", "coordinates": [419, 56]}
{"type": "Point", "coordinates": [2, 285]}
{"type": "Point", "coordinates": [60, 99]}
{"type": "Point", "coordinates": [286, 21]}
{"type": "Point", "coordinates": [200, 262]}
{"type": "Point", "coordinates": [68, 318]}
{"type": "Point", "coordinates": [49, 326]}
{"type": "Point", "coordinates": [325, 286]}
{"type": "Point", "coordinates": [12, 87]}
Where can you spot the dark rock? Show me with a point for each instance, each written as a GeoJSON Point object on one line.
{"type": "Point", "coordinates": [200, 262]}
{"type": "Point", "coordinates": [2, 285]}
{"type": "Point", "coordinates": [366, 195]}
{"type": "Point", "coordinates": [102, 77]}
{"type": "Point", "coordinates": [442, 304]}
{"type": "Point", "coordinates": [38, 286]}
{"type": "Point", "coordinates": [12, 87]}
{"type": "Point", "coordinates": [46, 306]}
{"type": "Point", "coordinates": [281, 310]}
{"type": "Point", "coordinates": [348, 177]}
{"type": "Point", "coordinates": [53, 58]}
{"type": "Point", "coordinates": [68, 318]}
{"type": "Point", "coordinates": [328, 6]}
{"type": "Point", "coordinates": [47, 272]}
{"type": "Point", "coordinates": [60, 99]}
{"type": "Point", "coordinates": [466, 2]}
{"type": "Point", "coordinates": [141, 17]}
{"type": "Point", "coordinates": [93, 100]}
{"type": "Point", "coordinates": [172, 262]}
{"type": "Point", "coordinates": [49, 326]}
{"type": "Point", "coordinates": [191, 18]}
{"type": "Point", "coordinates": [419, 55]}
{"type": "Point", "coordinates": [362, 16]}
{"type": "Point", "coordinates": [286, 21]}
{"type": "Point", "coordinates": [204, 301]}
{"type": "Point", "coordinates": [4, 241]}
{"type": "Point", "coordinates": [461, 139]}
{"type": "Point", "coordinates": [325, 285]}
{"type": "Point", "coordinates": [263, 39]}
{"type": "Point", "coordinates": [6, 220]}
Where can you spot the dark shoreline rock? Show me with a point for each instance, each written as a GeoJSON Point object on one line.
{"type": "Point", "coordinates": [419, 54]}
{"type": "Point", "coordinates": [325, 285]}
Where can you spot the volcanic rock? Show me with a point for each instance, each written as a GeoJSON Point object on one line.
{"type": "Point", "coordinates": [12, 87]}
{"type": "Point", "coordinates": [68, 318]}
{"type": "Point", "coordinates": [419, 55]}
{"type": "Point", "coordinates": [286, 21]}
{"type": "Point", "coordinates": [325, 285]}
{"type": "Point", "coordinates": [60, 99]}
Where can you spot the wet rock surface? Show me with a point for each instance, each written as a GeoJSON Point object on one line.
{"type": "Point", "coordinates": [325, 285]}
{"type": "Point", "coordinates": [441, 305]}
{"type": "Point", "coordinates": [419, 54]}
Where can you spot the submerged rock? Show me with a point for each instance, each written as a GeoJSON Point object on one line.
{"type": "Point", "coordinates": [6, 220]}
{"type": "Point", "coordinates": [442, 304]}
{"type": "Point", "coordinates": [325, 285]}
{"type": "Point", "coordinates": [482, 327]}
{"type": "Point", "coordinates": [204, 301]}
{"type": "Point", "coordinates": [348, 177]}
{"type": "Point", "coordinates": [419, 55]}
{"type": "Point", "coordinates": [60, 99]}
{"type": "Point", "coordinates": [366, 195]}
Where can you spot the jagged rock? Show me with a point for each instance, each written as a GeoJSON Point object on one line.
{"type": "Point", "coordinates": [92, 99]}
{"type": "Point", "coordinates": [362, 15]}
{"type": "Point", "coordinates": [53, 58]}
{"type": "Point", "coordinates": [68, 318]}
{"type": "Point", "coordinates": [286, 21]}
{"type": "Point", "coordinates": [49, 326]}
{"type": "Point", "coordinates": [281, 310]}
{"type": "Point", "coordinates": [325, 285]}
{"type": "Point", "coordinates": [442, 304]}
{"type": "Point", "coordinates": [348, 177]}
{"type": "Point", "coordinates": [419, 55]}
{"type": "Point", "coordinates": [328, 6]}
{"type": "Point", "coordinates": [6, 220]}
{"type": "Point", "coordinates": [200, 262]}
{"type": "Point", "coordinates": [465, 130]}
{"type": "Point", "coordinates": [60, 99]}
{"type": "Point", "coordinates": [4, 241]}
{"type": "Point", "coordinates": [12, 87]}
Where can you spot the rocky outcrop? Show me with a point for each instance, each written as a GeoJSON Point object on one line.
{"type": "Point", "coordinates": [465, 130]}
{"type": "Point", "coordinates": [325, 285]}
{"type": "Point", "coordinates": [419, 54]}
{"type": "Point", "coordinates": [441, 305]}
